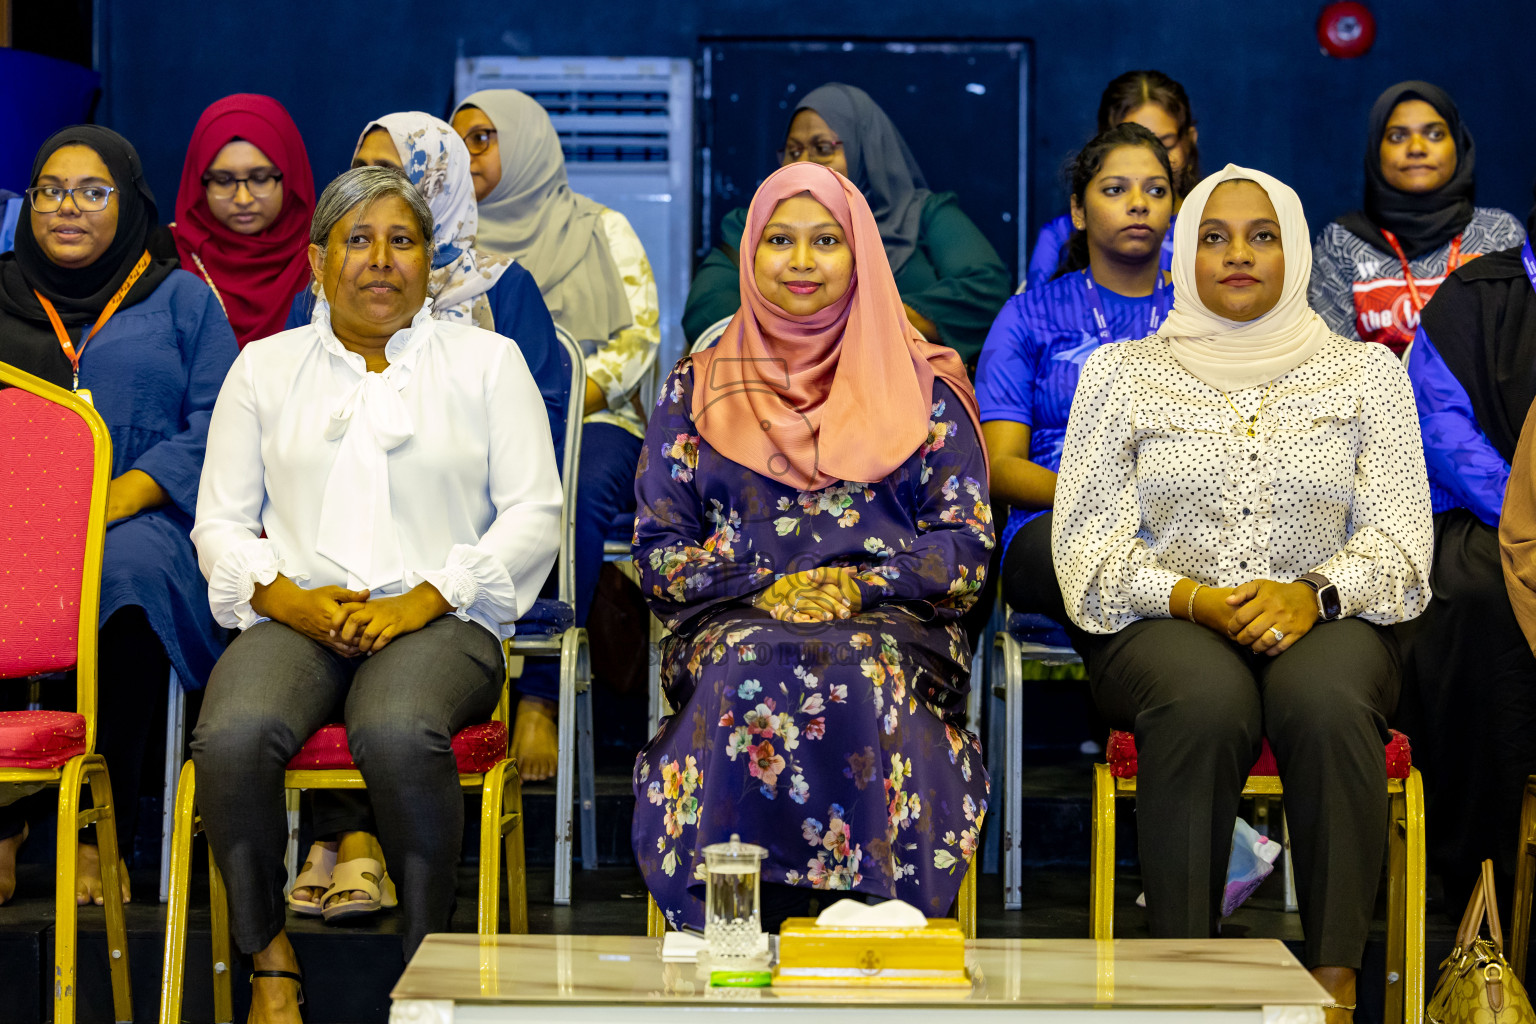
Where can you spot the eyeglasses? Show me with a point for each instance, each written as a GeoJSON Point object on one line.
{"type": "Point", "coordinates": [88, 198]}
{"type": "Point", "coordinates": [260, 184]}
{"type": "Point", "coordinates": [479, 140]}
{"type": "Point", "coordinates": [822, 151]}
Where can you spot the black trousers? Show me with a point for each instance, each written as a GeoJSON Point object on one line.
{"type": "Point", "coordinates": [1469, 705]}
{"type": "Point", "coordinates": [1029, 574]}
{"type": "Point", "coordinates": [132, 676]}
{"type": "Point", "coordinates": [273, 688]}
{"type": "Point", "coordinates": [1199, 706]}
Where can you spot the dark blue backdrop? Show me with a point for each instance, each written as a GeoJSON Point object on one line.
{"type": "Point", "coordinates": [1261, 90]}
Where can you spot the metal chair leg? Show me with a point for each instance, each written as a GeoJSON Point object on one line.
{"type": "Point", "coordinates": [655, 920]}
{"type": "Point", "coordinates": [1418, 876]}
{"type": "Point", "coordinates": [1525, 882]}
{"type": "Point", "coordinates": [67, 915]}
{"type": "Point", "coordinates": [1013, 804]}
{"type": "Point", "coordinates": [218, 924]}
{"type": "Point", "coordinates": [488, 917]}
{"type": "Point", "coordinates": [173, 968]}
{"type": "Point", "coordinates": [175, 739]}
{"type": "Point", "coordinates": [111, 883]}
{"type": "Point", "coordinates": [586, 763]}
{"type": "Point", "coordinates": [965, 902]}
{"type": "Point", "coordinates": [1101, 919]}
{"type": "Point", "coordinates": [517, 863]}
{"type": "Point", "coordinates": [565, 729]}
{"type": "Point", "coordinates": [1398, 898]}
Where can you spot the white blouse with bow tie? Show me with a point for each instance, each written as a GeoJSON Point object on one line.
{"type": "Point", "coordinates": [440, 469]}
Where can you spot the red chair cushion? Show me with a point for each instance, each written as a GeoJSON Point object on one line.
{"type": "Point", "coordinates": [477, 749]}
{"type": "Point", "coordinates": [46, 462]}
{"type": "Point", "coordinates": [40, 739]}
{"type": "Point", "coordinates": [1121, 754]}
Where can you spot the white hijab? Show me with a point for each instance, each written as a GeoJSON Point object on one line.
{"type": "Point", "coordinates": [1230, 355]}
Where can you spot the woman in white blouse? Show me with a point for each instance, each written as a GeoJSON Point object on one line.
{"type": "Point", "coordinates": [1242, 507]}
{"type": "Point", "coordinates": [379, 503]}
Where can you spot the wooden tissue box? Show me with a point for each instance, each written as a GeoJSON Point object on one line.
{"type": "Point", "coordinates": [809, 956]}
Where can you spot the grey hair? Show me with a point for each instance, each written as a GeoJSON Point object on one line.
{"type": "Point", "coordinates": [360, 188]}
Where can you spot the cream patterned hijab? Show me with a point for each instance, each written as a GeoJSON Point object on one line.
{"type": "Point", "coordinates": [1230, 355]}
{"type": "Point", "coordinates": [436, 161]}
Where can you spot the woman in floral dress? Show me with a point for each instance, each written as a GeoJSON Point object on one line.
{"type": "Point", "coordinates": [813, 521]}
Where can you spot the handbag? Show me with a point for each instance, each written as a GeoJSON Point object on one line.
{"type": "Point", "coordinates": [1476, 985]}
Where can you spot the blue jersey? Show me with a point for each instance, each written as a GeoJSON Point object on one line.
{"type": "Point", "coordinates": [1032, 358]}
{"type": "Point", "coordinates": [1046, 256]}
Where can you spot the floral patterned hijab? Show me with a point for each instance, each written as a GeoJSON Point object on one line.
{"type": "Point", "coordinates": [435, 159]}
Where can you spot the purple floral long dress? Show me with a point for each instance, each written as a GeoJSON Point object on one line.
{"type": "Point", "coordinates": [839, 746]}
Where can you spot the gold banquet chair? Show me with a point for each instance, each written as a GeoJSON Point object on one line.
{"type": "Point", "coordinates": [1405, 858]}
{"type": "Point", "coordinates": [325, 762]}
{"type": "Point", "coordinates": [55, 462]}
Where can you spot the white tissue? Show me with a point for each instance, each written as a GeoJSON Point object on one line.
{"type": "Point", "coordinates": [856, 914]}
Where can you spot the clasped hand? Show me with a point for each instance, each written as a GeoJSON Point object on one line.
{"type": "Point", "coordinates": [349, 622]}
{"type": "Point", "coordinates": [815, 595]}
{"type": "Point", "coordinates": [1248, 614]}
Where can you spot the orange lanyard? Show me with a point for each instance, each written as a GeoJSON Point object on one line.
{"type": "Point", "coordinates": [68, 346]}
{"type": "Point", "coordinates": [1413, 288]}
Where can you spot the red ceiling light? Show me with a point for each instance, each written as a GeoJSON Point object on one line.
{"type": "Point", "coordinates": [1346, 29]}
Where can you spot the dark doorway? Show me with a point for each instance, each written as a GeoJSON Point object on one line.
{"type": "Point", "coordinates": [959, 104]}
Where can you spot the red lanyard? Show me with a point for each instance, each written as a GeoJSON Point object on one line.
{"type": "Point", "coordinates": [70, 352]}
{"type": "Point", "coordinates": [1413, 288]}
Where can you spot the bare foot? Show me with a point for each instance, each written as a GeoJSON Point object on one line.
{"type": "Point", "coordinates": [312, 893]}
{"type": "Point", "coordinates": [8, 848]}
{"type": "Point", "coordinates": [535, 741]}
{"type": "Point", "coordinates": [355, 846]}
{"type": "Point", "coordinates": [88, 877]}
{"type": "Point", "coordinates": [1340, 983]}
{"type": "Point", "coordinates": [275, 1000]}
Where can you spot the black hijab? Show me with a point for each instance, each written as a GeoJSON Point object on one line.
{"type": "Point", "coordinates": [879, 164]}
{"type": "Point", "coordinates": [80, 295]}
{"type": "Point", "coordinates": [1482, 320]}
{"type": "Point", "coordinates": [27, 340]}
{"type": "Point", "coordinates": [1422, 222]}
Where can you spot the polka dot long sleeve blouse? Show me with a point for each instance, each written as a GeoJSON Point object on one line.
{"type": "Point", "coordinates": [1160, 479]}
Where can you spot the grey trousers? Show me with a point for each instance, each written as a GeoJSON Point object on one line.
{"type": "Point", "coordinates": [273, 688]}
{"type": "Point", "coordinates": [1199, 706]}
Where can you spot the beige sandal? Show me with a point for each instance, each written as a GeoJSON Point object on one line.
{"type": "Point", "coordinates": [318, 867]}
{"type": "Point", "coordinates": [362, 874]}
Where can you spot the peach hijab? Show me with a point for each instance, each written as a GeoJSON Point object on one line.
{"type": "Point", "coordinates": [845, 393]}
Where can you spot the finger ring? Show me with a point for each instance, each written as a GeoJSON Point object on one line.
{"type": "Point", "coordinates": [1278, 635]}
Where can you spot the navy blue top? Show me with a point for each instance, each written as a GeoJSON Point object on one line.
{"type": "Point", "coordinates": [518, 313]}
{"type": "Point", "coordinates": [1032, 358]}
{"type": "Point", "coordinates": [154, 371]}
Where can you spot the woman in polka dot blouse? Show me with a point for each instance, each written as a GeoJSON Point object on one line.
{"type": "Point", "coordinates": [1242, 509]}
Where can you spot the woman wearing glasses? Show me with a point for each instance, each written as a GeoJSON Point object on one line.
{"type": "Point", "coordinates": [598, 285]}
{"type": "Point", "coordinates": [951, 280]}
{"type": "Point", "coordinates": [242, 213]}
{"type": "Point", "coordinates": [83, 305]}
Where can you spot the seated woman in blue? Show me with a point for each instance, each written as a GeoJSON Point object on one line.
{"type": "Point", "coordinates": [1468, 673]}
{"type": "Point", "coordinates": [1122, 199]}
{"type": "Point", "coordinates": [469, 285]}
{"type": "Point", "coordinates": [1160, 105]}
{"type": "Point", "coordinates": [152, 345]}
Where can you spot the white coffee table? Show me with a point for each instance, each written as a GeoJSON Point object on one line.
{"type": "Point", "coordinates": [589, 979]}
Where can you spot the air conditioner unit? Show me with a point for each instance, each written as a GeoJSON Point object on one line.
{"type": "Point", "coordinates": [626, 125]}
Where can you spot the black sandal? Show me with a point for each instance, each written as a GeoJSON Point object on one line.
{"type": "Point", "coordinates": [292, 976]}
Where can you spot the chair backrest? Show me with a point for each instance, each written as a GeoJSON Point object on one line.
{"type": "Point", "coordinates": [55, 461]}
{"type": "Point", "coordinates": [711, 335]}
{"type": "Point", "coordinates": [570, 463]}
